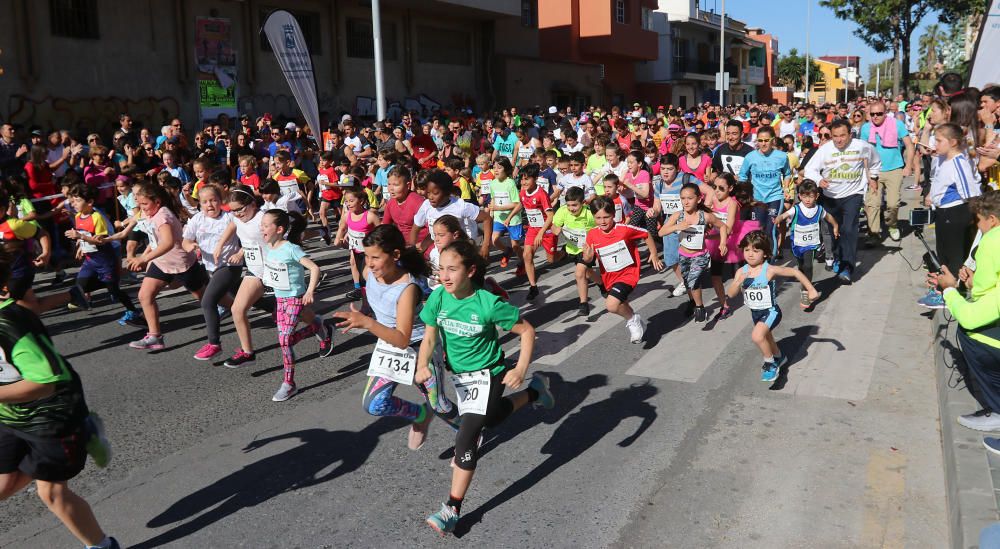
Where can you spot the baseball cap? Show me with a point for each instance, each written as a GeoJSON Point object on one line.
{"type": "Point", "coordinates": [345, 118]}
{"type": "Point", "coordinates": [553, 110]}
{"type": "Point", "coordinates": [660, 108]}
{"type": "Point", "coordinates": [290, 126]}
{"type": "Point", "coordinates": [266, 117]}
{"type": "Point", "coordinates": [636, 104]}
{"type": "Point", "coordinates": [36, 133]}
{"type": "Point", "coordinates": [674, 128]}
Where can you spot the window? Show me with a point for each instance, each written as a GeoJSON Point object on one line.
{"type": "Point", "coordinates": [647, 19]}
{"type": "Point", "coordinates": [680, 55]}
{"type": "Point", "coordinates": [74, 18]}
{"type": "Point", "coordinates": [309, 23]}
{"type": "Point", "coordinates": [361, 44]}
{"type": "Point", "coordinates": [620, 11]}
{"type": "Point", "coordinates": [443, 46]}
{"type": "Point", "coordinates": [529, 15]}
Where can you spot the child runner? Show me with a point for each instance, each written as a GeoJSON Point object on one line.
{"type": "Point", "coordinates": [202, 235]}
{"type": "Point", "coordinates": [397, 282]}
{"type": "Point", "coordinates": [101, 262]}
{"type": "Point", "coordinates": [575, 178]}
{"type": "Point", "coordinates": [756, 281]}
{"type": "Point", "coordinates": [446, 230]}
{"type": "Point", "coordinates": [164, 259]}
{"type": "Point", "coordinates": [690, 225]}
{"type": "Point", "coordinates": [330, 193]}
{"type": "Point", "coordinates": [284, 264]}
{"type": "Point", "coordinates": [614, 245]}
{"type": "Point", "coordinates": [723, 265]}
{"type": "Point", "coordinates": [805, 218]}
{"type": "Point", "coordinates": [505, 205]}
{"type": "Point", "coordinates": [18, 238]}
{"type": "Point", "coordinates": [574, 221]}
{"type": "Point", "coordinates": [354, 226]}
{"type": "Point", "coordinates": [440, 201]}
{"type": "Point", "coordinates": [667, 188]}
{"type": "Point", "coordinates": [46, 430]}
{"type": "Point", "coordinates": [467, 317]}
{"type": "Point", "coordinates": [270, 191]}
{"type": "Point", "coordinates": [623, 209]}
{"type": "Point", "coordinates": [538, 213]}
{"type": "Point", "coordinates": [402, 204]}
{"type": "Point", "coordinates": [247, 174]}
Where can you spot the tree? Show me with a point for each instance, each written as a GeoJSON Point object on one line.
{"type": "Point", "coordinates": [888, 25]}
{"type": "Point", "coordinates": [928, 50]}
{"type": "Point", "coordinates": [792, 70]}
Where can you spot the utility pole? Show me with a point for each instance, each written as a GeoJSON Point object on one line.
{"type": "Point", "coordinates": [722, 54]}
{"type": "Point", "coordinates": [377, 53]}
{"type": "Point", "coordinates": [878, 80]}
{"type": "Point", "coordinates": [808, 14]}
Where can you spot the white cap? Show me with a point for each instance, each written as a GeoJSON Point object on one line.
{"type": "Point", "coordinates": [290, 126]}
{"type": "Point", "coordinates": [345, 118]}
{"type": "Point", "coordinates": [642, 119]}
{"type": "Point", "coordinates": [553, 110]}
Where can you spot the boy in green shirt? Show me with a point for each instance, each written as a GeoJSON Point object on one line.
{"type": "Point", "coordinates": [573, 221]}
{"type": "Point", "coordinates": [505, 205]}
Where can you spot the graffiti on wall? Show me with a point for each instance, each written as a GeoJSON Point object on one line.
{"type": "Point", "coordinates": [365, 106]}
{"type": "Point", "coordinates": [98, 114]}
{"type": "Point", "coordinates": [283, 105]}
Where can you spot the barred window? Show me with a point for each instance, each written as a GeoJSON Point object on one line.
{"type": "Point", "coordinates": [361, 43]}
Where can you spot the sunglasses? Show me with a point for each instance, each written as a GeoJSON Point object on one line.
{"type": "Point", "coordinates": [721, 187]}
{"type": "Point", "coordinates": [880, 113]}
{"type": "Point", "coordinates": [825, 135]}
{"type": "Point", "coordinates": [768, 140]}
{"type": "Point", "coordinates": [148, 149]}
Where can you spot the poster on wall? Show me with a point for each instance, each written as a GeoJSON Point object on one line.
{"type": "Point", "coordinates": [216, 61]}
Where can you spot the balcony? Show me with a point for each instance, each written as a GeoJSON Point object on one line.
{"type": "Point", "coordinates": [752, 75]}
{"type": "Point", "coordinates": [692, 69]}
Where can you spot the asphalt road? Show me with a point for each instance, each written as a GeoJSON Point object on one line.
{"type": "Point", "coordinates": [670, 443]}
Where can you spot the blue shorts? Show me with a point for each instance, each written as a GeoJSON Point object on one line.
{"type": "Point", "coordinates": [770, 317]}
{"type": "Point", "coordinates": [516, 231]}
{"type": "Point", "coordinates": [100, 265]}
{"type": "Point", "coordinates": [671, 243]}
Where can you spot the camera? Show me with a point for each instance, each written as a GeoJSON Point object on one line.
{"type": "Point", "coordinates": [920, 217]}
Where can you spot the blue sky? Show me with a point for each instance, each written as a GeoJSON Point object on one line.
{"type": "Point", "coordinates": [786, 19]}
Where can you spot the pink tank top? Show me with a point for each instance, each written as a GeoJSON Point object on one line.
{"type": "Point", "coordinates": [357, 229]}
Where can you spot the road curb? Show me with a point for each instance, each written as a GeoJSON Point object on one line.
{"type": "Point", "coordinates": [969, 470]}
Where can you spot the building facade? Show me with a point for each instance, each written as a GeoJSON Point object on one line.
{"type": "Point", "coordinates": [769, 51]}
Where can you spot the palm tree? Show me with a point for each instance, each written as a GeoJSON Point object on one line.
{"type": "Point", "coordinates": [929, 44]}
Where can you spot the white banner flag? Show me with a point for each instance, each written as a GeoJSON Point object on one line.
{"type": "Point", "coordinates": [985, 69]}
{"type": "Point", "coordinates": [292, 53]}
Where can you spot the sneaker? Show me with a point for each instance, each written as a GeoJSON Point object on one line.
{"type": "Point", "coordinates": [207, 351]}
{"type": "Point", "coordinates": [913, 187]}
{"type": "Point", "coordinates": [540, 384]}
{"type": "Point", "coordinates": [98, 447]}
{"type": "Point", "coordinates": [223, 312]}
{"type": "Point", "coordinates": [930, 293]}
{"type": "Point", "coordinates": [724, 313]}
{"type": "Point", "coordinates": [444, 521]}
{"type": "Point", "coordinates": [769, 372]}
{"type": "Point", "coordinates": [326, 236]}
{"type": "Point", "coordinates": [894, 234]}
{"type": "Point", "coordinates": [114, 544]}
{"type": "Point", "coordinates": [935, 301]}
{"type": "Point", "coordinates": [829, 265]}
{"type": "Point", "coordinates": [679, 290]}
{"type": "Point", "coordinates": [132, 318]}
{"type": "Point", "coordinates": [357, 294]}
{"type": "Point", "coordinates": [992, 444]}
{"type": "Point", "coordinates": [699, 314]}
{"type": "Point", "coordinates": [584, 309]}
{"type": "Point", "coordinates": [149, 343]}
{"type": "Point", "coordinates": [326, 344]}
{"type": "Point", "coordinates": [635, 328]}
{"type": "Point", "coordinates": [873, 240]}
{"type": "Point", "coordinates": [285, 392]}
{"type": "Point", "coordinates": [804, 300]}
{"type": "Point", "coordinates": [418, 430]}
{"type": "Point", "coordinates": [982, 420]}
{"type": "Point", "coordinates": [59, 277]}
{"type": "Point", "coordinates": [844, 276]}
{"type": "Point", "coordinates": [504, 261]}
{"type": "Point", "coordinates": [77, 300]}
{"type": "Point", "coordinates": [240, 358]}
{"type": "Point", "coordinates": [532, 292]}
{"type": "Point", "coordinates": [520, 271]}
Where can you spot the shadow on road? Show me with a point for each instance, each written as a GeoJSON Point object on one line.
{"type": "Point", "coordinates": [796, 347]}
{"type": "Point", "coordinates": [574, 436]}
{"type": "Point", "coordinates": [272, 476]}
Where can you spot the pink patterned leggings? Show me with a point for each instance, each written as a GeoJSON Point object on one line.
{"type": "Point", "coordinates": [287, 314]}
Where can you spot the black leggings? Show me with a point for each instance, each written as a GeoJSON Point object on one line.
{"type": "Point", "coordinates": [953, 234]}
{"type": "Point", "coordinates": [224, 280]}
{"type": "Point", "coordinates": [498, 407]}
{"type": "Point", "coordinates": [90, 283]}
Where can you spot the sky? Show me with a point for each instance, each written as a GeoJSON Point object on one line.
{"type": "Point", "coordinates": [786, 19]}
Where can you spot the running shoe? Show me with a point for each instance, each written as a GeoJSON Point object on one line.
{"type": "Point", "coordinates": [207, 351]}
{"type": "Point", "coordinates": [444, 521]}
{"type": "Point", "coordinates": [132, 318]}
{"type": "Point", "coordinates": [894, 234]}
{"type": "Point", "coordinates": [532, 292]}
{"type": "Point", "coordinates": [636, 329]}
{"type": "Point", "coordinates": [521, 271]}
{"type": "Point", "coordinates": [326, 344]}
{"type": "Point", "coordinates": [844, 275]}
{"type": "Point", "coordinates": [357, 294]}
{"type": "Point", "coordinates": [725, 312]}
{"type": "Point", "coordinates": [935, 301]}
{"type": "Point", "coordinates": [149, 343]}
{"type": "Point", "coordinates": [77, 300]}
{"type": "Point", "coordinates": [983, 420]}
{"type": "Point", "coordinates": [326, 236]}
{"type": "Point", "coordinates": [700, 315]}
{"type": "Point", "coordinates": [992, 444]}
{"type": "Point", "coordinates": [240, 358]}
{"type": "Point", "coordinates": [584, 309]}
{"type": "Point", "coordinates": [769, 372]}
{"type": "Point", "coordinates": [285, 392]}
{"type": "Point", "coordinates": [223, 312]}
{"type": "Point", "coordinates": [98, 447]}
{"type": "Point", "coordinates": [114, 544]}
{"type": "Point", "coordinates": [829, 265]}
{"type": "Point", "coordinates": [679, 290]}
{"type": "Point", "coordinates": [804, 300]}
{"type": "Point", "coordinates": [931, 292]}
{"type": "Point", "coordinates": [913, 187]}
{"type": "Point", "coordinates": [540, 384]}
{"type": "Point", "coordinates": [418, 429]}
{"type": "Point", "coordinates": [504, 261]}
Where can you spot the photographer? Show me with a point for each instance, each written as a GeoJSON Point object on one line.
{"type": "Point", "coordinates": [979, 318]}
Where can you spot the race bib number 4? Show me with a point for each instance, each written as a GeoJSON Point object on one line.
{"type": "Point", "coordinates": [615, 257]}
{"type": "Point", "coordinates": [276, 276]}
{"type": "Point", "coordinates": [535, 217]}
{"type": "Point", "coordinates": [758, 299]}
{"type": "Point", "coordinates": [501, 199]}
{"type": "Point", "coordinates": [472, 390]}
{"type": "Point", "coordinates": [392, 363]}
{"type": "Point", "coordinates": [355, 239]}
{"type": "Point", "coordinates": [806, 235]}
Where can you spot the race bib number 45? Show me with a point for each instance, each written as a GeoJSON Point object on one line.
{"type": "Point", "coordinates": [472, 390]}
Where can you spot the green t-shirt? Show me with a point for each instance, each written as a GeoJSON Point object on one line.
{"type": "Point", "coordinates": [595, 163]}
{"type": "Point", "coordinates": [574, 227]}
{"type": "Point", "coordinates": [468, 328]}
{"type": "Point", "coordinates": [27, 353]}
{"type": "Point", "coordinates": [504, 193]}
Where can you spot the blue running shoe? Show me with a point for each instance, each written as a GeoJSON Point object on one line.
{"type": "Point", "coordinates": [444, 521]}
{"type": "Point", "coordinates": [540, 384]}
{"type": "Point", "coordinates": [132, 318]}
{"type": "Point", "coordinates": [769, 372]}
{"type": "Point", "coordinates": [935, 301]}
{"type": "Point", "coordinates": [836, 267]}
{"type": "Point", "coordinates": [930, 293]}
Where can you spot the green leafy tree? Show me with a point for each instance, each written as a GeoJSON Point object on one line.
{"type": "Point", "coordinates": [929, 50]}
{"type": "Point", "coordinates": [792, 70]}
{"type": "Point", "coordinates": [888, 25]}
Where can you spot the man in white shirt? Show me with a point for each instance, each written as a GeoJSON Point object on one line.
{"type": "Point", "coordinates": [844, 168]}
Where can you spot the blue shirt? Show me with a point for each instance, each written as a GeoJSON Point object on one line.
{"type": "Point", "coordinates": [505, 147]}
{"type": "Point", "coordinates": [766, 173]}
{"type": "Point", "coordinates": [273, 148]}
{"type": "Point", "coordinates": [892, 159]}
{"type": "Point", "coordinates": [289, 254]}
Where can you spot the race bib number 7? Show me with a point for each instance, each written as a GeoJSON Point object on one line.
{"type": "Point", "coordinates": [472, 390]}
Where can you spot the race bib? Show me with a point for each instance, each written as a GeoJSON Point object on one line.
{"type": "Point", "coordinates": [543, 182]}
{"type": "Point", "coordinates": [472, 391]}
{"type": "Point", "coordinates": [252, 256]}
{"type": "Point", "coordinates": [287, 186]}
{"type": "Point", "coordinates": [395, 364]}
{"type": "Point", "coordinates": [501, 199]}
{"type": "Point", "coordinates": [535, 218]}
{"type": "Point", "coordinates": [693, 238]}
{"type": "Point", "coordinates": [345, 181]}
{"type": "Point", "coordinates": [615, 257]}
{"type": "Point", "coordinates": [86, 247]}
{"type": "Point", "coordinates": [758, 299]}
{"type": "Point", "coordinates": [524, 153]}
{"type": "Point", "coordinates": [806, 235]}
{"type": "Point", "coordinates": [484, 187]}
{"type": "Point", "coordinates": [354, 240]}
{"type": "Point", "coordinates": [323, 180]}
{"type": "Point", "coordinates": [276, 276]}
{"type": "Point", "coordinates": [722, 216]}
{"type": "Point", "coordinates": [576, 236]}
{"type": "Point", "coordinates": [671, 203]}
{"type": "Point", "coordinates": [619, 214]}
